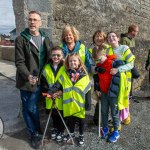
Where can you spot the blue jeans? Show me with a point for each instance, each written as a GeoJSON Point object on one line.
{"type": "Point", "coordinates": [30, 110]}
{"type": "Point", "coordinates": [106, 103]}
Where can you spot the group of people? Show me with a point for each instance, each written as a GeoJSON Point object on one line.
{"type": "Point", "coordinates": [63, 73]}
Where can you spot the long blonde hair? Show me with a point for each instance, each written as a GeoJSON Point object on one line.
{"type": "Point", "coordinates": [74, 31]}
{"type": "Point", "coordinates": [81, 64]}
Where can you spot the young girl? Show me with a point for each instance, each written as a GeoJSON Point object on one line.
{"type": "Point", "coordinates": [76, 87]}
{"type": "Point", "coordinates": [51, 72]}
{"type": "Point", "coordinates": [123, 53]}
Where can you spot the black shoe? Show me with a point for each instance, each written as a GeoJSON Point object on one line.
{"type": "Point", "coordinates": [35, 141]}
{"type": "Point", "coordinates": [60, 136]}
{"type": "Point", "coordinates": [54, 133]}
{"type": "Point", "coordinates": [81, 140]}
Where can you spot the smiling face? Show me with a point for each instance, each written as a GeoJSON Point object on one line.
{"type": "Point", "coordinates": [34, 23]}
{"type": "Point", "coordinates": [113, 39]}
{"type": "Point", "coordinates": [56, 56]}
{"type": "Point", "coordinates": [69, 37]}
{"type": "Point", "coordinates": [99, 39]}
{"type": "Point", "coordinates": [73, 62]}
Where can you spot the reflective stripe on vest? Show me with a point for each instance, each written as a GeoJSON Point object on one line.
{"type": "Point", "coordinates": [51, 79]}
{"type": "Point", "coordinates": [74, 95]}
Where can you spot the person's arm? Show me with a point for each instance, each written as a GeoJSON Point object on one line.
{"type": "Point", "coordinates": [126, 67]}
{"type": "Point", "coordinates": [56, 87]}
{"type": "Point", "coordinates": [20, 58]}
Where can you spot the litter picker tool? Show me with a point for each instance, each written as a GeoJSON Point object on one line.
{"type": "Point", "coordinates": [49, 116]}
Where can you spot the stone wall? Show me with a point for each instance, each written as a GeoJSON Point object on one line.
{"type": "Point", "coordinates": [7, 53]}
{"type": "Point", "coordinates": [88, 16]}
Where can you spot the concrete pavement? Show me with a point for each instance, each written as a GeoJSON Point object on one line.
{"type": "Point", "coordinates": [9, 98]}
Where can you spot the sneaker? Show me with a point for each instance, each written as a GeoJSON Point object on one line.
{"type": "Point", "coordinates": [35, 142]}
{"type": "Point", "coordinates": [81, 140]}
{"type": "Point", "coordinates": [59, 136]}
{"type": "Point", "coordinates": [104, 132]}
{"type": "Point", "coordinates": [112, 128]}
{"type": "Point", "coordinates": [114, 136]}
{"type": "Point", "coordinates": [54, 134]}
{"type": "Point", "coordinates": [127, 120]}
{"type": "Point", "coordinates": [67, 138]}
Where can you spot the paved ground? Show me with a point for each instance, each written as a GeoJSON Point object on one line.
{"type": "Point", "coordinates": [133, 137]}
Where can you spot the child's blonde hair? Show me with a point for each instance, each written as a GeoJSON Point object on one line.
{"type": "Point", "coordinates": [96, 53]}
{"type": "Point", "coordinates": [81, 64]}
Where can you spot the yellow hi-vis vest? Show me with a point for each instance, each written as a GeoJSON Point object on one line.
{"type": "Point", "coordinates": [81, 51]}
{"type": "Point", "coordinates": [51, 79]}
{"type": "Point", "coordinates": [74, 95]}
{"type": "Point", "coordinates": [127, 56]}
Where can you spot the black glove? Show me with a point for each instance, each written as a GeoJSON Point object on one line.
{"type": "Point", "coordinates": [100, 69]}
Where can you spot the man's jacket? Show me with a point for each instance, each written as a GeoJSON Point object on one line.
{"type": "Point", "coordinates": [27, 58]}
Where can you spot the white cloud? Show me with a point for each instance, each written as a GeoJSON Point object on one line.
{"type": "Point", "coordinates": [7, 18]}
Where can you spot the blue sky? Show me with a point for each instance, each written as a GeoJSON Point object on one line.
{"type": "Point", "coordinates": [7, 18]}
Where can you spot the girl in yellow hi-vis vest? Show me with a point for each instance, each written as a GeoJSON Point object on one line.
{"type": "Point", "coordinates": [51, 72]}
{"type": "Point", "coordinates": [76, 87]}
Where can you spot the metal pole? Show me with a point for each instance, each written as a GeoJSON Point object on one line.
{"type": "Point", "coordinates": [65, 126]}
{"type": "Point", "coordinates": [99, 119]}
{"type": "Point", "coordinates": [46, 126]}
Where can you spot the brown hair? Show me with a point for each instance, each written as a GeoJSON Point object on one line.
{"type": "Point", "coordinates": [34, 12]}
{"type": "Point", "coordinates": [96, 53]}
{"type": "Point", "coordinates": [132, 28]}
{"type": "Point", "coordinates": [118, 36]}
{"type": "Point", "coordinates": [99, 32]}
{"type": "Point", "coordinates": [81, 64]}
{"type": "Point", "coordinates": [74, 31]}
{"type": "Point", "coordinates": [56, 48]}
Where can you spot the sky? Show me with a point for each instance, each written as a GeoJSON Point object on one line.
{"type": "Point", "coordinates": [7, 18]}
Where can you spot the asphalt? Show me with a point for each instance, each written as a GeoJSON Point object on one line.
{"type": "Point", "coordinates": [9, 98]}
{"type": "Point", "coordinates": [132, 137]}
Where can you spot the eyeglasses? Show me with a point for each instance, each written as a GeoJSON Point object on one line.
{"type": "Point", "coordinates": [58, 55]}
{"type": "Point", "coordinates": [34, 20]}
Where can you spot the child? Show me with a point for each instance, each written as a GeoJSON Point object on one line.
{"type": "Point", "coordinates": [51, 72]}
{"type": "Point", "coordinates": [76, 87]}
{"type": "Point", "coordinates": [109, 87]}
{"type": "Point", "coordinates": [124, 53]}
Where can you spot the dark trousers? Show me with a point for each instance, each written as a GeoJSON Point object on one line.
{"type": "Point", "coordinates": [106, 103]}
{"type": "Point", "coordinates": [57, 122]}
{"type": "Point", "coordinates": [30, 110]}
{"type": "Point", "coordinates": [72, 120]}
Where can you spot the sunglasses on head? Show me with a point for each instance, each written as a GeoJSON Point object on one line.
{"type": "Point", "coordinates": [58, 55]}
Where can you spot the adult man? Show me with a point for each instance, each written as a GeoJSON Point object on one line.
{"type": "Point", "coordinates": [31, 52]}
{"type": "Point", "coordinates": [129, 40]}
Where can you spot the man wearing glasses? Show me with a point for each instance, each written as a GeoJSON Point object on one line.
{"type": "Point", "coordinates": [31, 53]}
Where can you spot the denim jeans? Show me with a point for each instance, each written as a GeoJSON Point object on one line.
{"type": "Point", "coordinates": [30, 110]}
{"type": "Point", "coordinates": [106, 103]}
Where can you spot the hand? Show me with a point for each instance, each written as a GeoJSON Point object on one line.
{"type": "Point", "coordinates": [113, 71]}
{"type": "Point", "coordinates": [32, 79]}
{"type": "Point", "coordinates": [98, 93]}
{"type": "Point", "coordinates": [57, 94]}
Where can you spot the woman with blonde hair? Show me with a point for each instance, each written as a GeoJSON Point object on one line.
{"type": "Point", "coordinates": [71, 44]}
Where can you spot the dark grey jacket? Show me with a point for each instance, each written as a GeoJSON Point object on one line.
{"type": "Point", "coordinates": [27, 58]}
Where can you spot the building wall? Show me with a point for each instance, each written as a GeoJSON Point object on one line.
{"type": "Point", "coordinates": [88, 16]}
